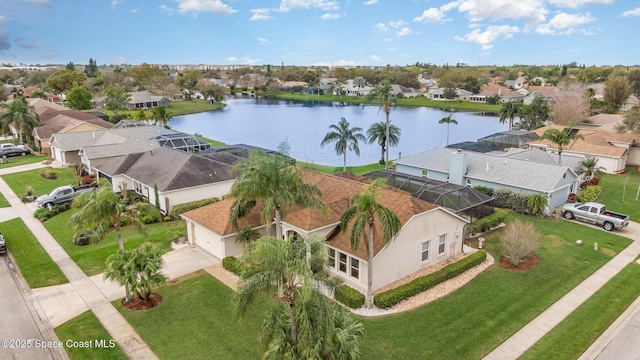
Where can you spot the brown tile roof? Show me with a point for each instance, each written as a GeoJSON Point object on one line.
{"type": "Point", "coordinates": [596, 141]}
{"type": "Point", "coordinates": [217, 218]}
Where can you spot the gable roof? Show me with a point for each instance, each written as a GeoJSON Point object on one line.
{"type": "Point", "coordinates": [59, 121]}
{"type": "Point", "coordinates": [116, 141]}
{"type": "Point", "coordinates": [143, 97]}
{"type": "Point", "coordinates": [596, 141]}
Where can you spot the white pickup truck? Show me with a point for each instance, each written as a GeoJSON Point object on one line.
{"type": "Point", "coordinates": [596, 214]}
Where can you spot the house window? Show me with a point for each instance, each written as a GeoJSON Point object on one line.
{"type": "Point", "coordinates": [355, 268]}
{"type": "Point", "coordinates": [425, 172]}
{"type": "Point", "coordinates": [425, 250]}
{"type": "Point", "coordinates": [332, 258]}
{"type": "Point", "coordinates": [342, 266]}
{"type": "Point", "coordinates": [441, 241]}
{"type": "Point", "coordinates": [138, 187]}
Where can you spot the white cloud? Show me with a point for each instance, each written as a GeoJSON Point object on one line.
{"type": "Point", "coordinates": [432, 15]}
{"type": "Point", "coordinates": [487, 37]}
{"type": "Point", "coordinates": [404, 32]}
{"type": "Point", "coordinates": [133, 11]}
{"type": "Point", "coordinates": [262, 41]}
{"type": "Point", "coordinates": [371, 2]}
{"type": "Point", "coordinates": [396, 24]}
{"type": "Point", "coordinates": [260, 14]}
{"type": "Point", "coordinates": [115, 3]}
{"type": "Point", "coordinates": [531, 10]}
{"type": "Point", "coordinates": [375, 58]}
{"type": "Point", "coordinates": [166, 9]}
{"type": "Point", "coordinates": [381, 27]}
{"type": "Point", "coordinates": [288, 5]}
{"type": "Point", "coordinates": [197, 6]}
{"type": "Point", "coordinates": [250, 61]}
{"type": "Point", "coordinates": [330, 16]}
{"type": "Point", "coordinates": [118, 60]}
{"type": "Point", "coordinates": [634, 12]}
{"type": "Point", "coordinates": [4, 40]}
{"type": "Point", "coordinates": [232, 59]}
{"type": "Point", "coordinates": [574, 4]}
{"type": "Point", "coordinates": [23, 43]}
{"type": "Point", "coordinates": [43, 3]}
{"type": "Point", "coordinates": [564, 24]}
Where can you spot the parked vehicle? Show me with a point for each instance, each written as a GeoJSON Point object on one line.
{"type": "Point", "coordinates": [596, 214]}
{"type": "Point", "coordinates": [3, 245]}
{"type": "Point", "coordinates": [10, 151]}
{"type": "Point", "coordinates": [61, 195]}
{"type": "Point", "coordinates": [8, 145]}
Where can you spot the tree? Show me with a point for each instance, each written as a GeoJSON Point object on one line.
{"type": "Point", "coordinates": [518, 240]}
{"type": "Point", "coordinates": [359, 82]}
{"type": "Point", "coordinates": [588, 168]}
{"type": "Point", "coordinates": [144, 74]}
{"type": "Point", "coordinates": [561, 138]}
{"type": "Point", "coordinates": [450, 93]}
{"type": "Point", "coordinates": [534, 115]}
{"type": "Point", "coordinates": [617, 90]}
{"type": "Point", "coordinates": [247, 235]}
{"type": "Point", "coordinates": [274, 180]}
{"type": "Point", "coordinates": [91, 70]}
{"type": "Point", "coordinates": [346, 139]}
{"type": "Point", "coordinates": [63, 80]}
{"type": "Point", "coordinates": [21, 114]}
{"type": "Point", "coordinates": [70, 66]}
{"type": "Point", "coordinates": [537, 202]}
{"type": "Point", "coordinates": [448, 120]}
{"type": "Point", "coordinates": [301, 323]}
{"type": "Point", "coordinates": [79, 98]}
{"type": "Point", "coordinates": [138, 270]}
{"type": "Point", "coordinates": [509, 111]}
{"type": "Point", "coordinates": [365, 211]}
{"type": "Point", "coordinates": [100, 210]}
{"type": "Point", "coordinates": [631, 121]}
{"type": "Point", "coordinates": [634, 79]}
{"type": "Point", "coordinates": [377, 134]}
{"type": "Point", "coordinates": [188, 81]}
{"type": "Point", "coordinates": [116, 99]}
{"type": "Point", "coordinates": [383, 95]}
{"type": "Point", "coordinates": [570, 104]}
{"type": "Point", "coordinates": [161, 115]}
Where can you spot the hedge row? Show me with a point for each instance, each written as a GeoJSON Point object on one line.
{"type": "Point", "coordinates": [349, 296]}
{"type": "Point", "coordinates": [513, 200]}
{"type": "Point", "coordinates": [487, 222]}
{"type": "Point", "coordinates": [394, 296]}
{"type": "Point", "coordinates": [183, 208]}
{"type": "Point", "coordinates": [233, 264]}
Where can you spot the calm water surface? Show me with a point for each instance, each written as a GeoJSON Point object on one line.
{"type": "Point", "coordinates": [267, 123]}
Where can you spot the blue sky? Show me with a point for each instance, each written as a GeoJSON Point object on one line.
{"type": "Point", "coordinates": [320, 32]}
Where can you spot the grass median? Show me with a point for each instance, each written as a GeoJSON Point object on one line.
{"type": "Point", "coordinates": [19, 182]}
{"type": "Point", "coordinates": [22, 160]}
{"type": "Point", "coordinates": [87, 328]}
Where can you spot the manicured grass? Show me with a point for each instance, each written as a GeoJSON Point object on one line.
{"type": "Point", "coordinates": [23, 160]}
{"type": "Point", "coordinates": [35, 264]}
{"type": "Point", "coordinates": [91, 258]}
{"type": "Point", "coordinates": [472, 321]}
{"type": "Point", "coordinates": [360, 170]}
{"type": "Point", "coordinates": [18, 182]}
{"type": "Point", "coordinates": [592, 318]}
{"type": "Point", "coordinates": [613, 187]}
{"type": "Point", "coordinates": [87, 327]}
{"type": "Point", "coordinates": [195, 321]}
{"type": "Point", "coordinates": [213, 143]}
{"type": "Point", "coordinates": [3, 202]}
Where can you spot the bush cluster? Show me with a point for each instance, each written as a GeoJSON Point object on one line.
{"type": "Point", "coordinates": [394, 296]}
{"type": "Point", "coordinates": [508, 199]}
{"type": "Point", "coordinates": [45, 214]}
{"type": "Point", "coordinates": [233, 264]}
{"type": "Point", "coordinates": [487, 222]}
{"type": "Point", "coordinates": [572, 198]}
{"type": "Point", "coordinates": [349, 296]}
{"type": "Point", "coordinates": [590, 193]}
{"type": "Point", "coordinates": [83, 238]}
{"type": "Point", "coordinates": [182, 208]}
{"type": "Point", "coordinates": [49, 174]}
{"type": "Point", "coordinates": [593, 181]}
{"type": "Point", "coordinates": [484, 189]}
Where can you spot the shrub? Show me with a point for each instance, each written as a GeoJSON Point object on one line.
{"type": "Point", "coordinates": [484, 189]}
{"type": "Point", "coordinates": [182, 208]}
{"type": "Point", "coordinates": [394, 296]}
{"type": "Point", "coordinates": [519, 240]}
{"type": "Point", "coordinates": [147, 219]}
{"type": "Point", "coordinates": [233, 264]}
{"type": "Point", "coordinates": [487, 222]}
{"type": "Point", "coordinates": [167, 218]}
{"type": "Point", "coordinates": [49, 174]}
{"type": "Point", "coordinates": [83, 238]}
{"type": "Point", "coordinates": [572, 198]}
{"type": "Point", "coordinates": [88, 179]}
{"type": "Point", "coordinates": [508, 199]}
{"type": "Point", "coordinates": [595, 181]}
{"type": "Point", "coordinates": [44, 214]}
{"type": "Point", "coordinates": [537, 203]}
{"type": "Point", "coordinates": [349, 296]}
{"type": "Point", "coordinates": [590, 193]}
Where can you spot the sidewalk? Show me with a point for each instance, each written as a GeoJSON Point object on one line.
{"type": "Point", "coordinates": [526, 337]}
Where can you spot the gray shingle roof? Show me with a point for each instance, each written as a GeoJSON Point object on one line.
{"type": "Point", "coordinates": [123, 137]}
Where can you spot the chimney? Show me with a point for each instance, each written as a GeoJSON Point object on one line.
{"type": "Point", "coordinates": [458, 167]}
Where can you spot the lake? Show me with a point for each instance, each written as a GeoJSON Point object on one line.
{"type": "Point", "coordinates": [267, 123]}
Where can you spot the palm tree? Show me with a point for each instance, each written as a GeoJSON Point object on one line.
{"type": "Point", "coordinates": [448, 120]}
{"type": "Point", "coordinates": [561, 138]}
{"type": "Point", "coordinates": [508, 111]}
{"type": "Point", "coordinates": [588, 167]}
{"type": "Point", "coordinates": [365, 210]}
{"type": "Point", "coordinates": [99, 210]}
{"type": "Point", "coordinates": [19, 113]}
{"type": "Point", "coordinates": [299, 307]}
{"type": "Point", "coordinates": [161, 115]}
{"type": "Point", "coordinates": [346, 139]}
{"type": "Point", "coordinates": [377, 133]}
{"type": "Point", "coordinates": [386, 98]}
{"type": "Point", "coordinates": [274, 180]}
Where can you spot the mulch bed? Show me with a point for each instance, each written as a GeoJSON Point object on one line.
{"type": "Point", "coordinates": [529, 262]}
{"type": "Point", "coordinates": [136, 304]}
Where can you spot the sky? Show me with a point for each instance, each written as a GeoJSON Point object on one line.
{"type": "Point", "coordinates": [320, 32]}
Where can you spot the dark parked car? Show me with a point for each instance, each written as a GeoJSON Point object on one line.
{"type": "Point", "coordinates": [13, 151]}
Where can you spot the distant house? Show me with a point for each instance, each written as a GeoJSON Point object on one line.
{"type": "Point", "coordinates": [429, 235]}
{"type": "Point", "coordinates": [352, 90]}
{"type": "Point", "coordinates": [438, 94]}
{"type": "Point", "coordinates": [504, 94]}
{"type": "Point", "coordinates": [139, 100]}
{"type": "Point", "coordinates": [405, 91]}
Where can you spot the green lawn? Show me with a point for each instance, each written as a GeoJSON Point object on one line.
{"type": "Point", "coordinates": [613, 187]}
{"type": "Point", "coordinates": [195, 321]}
{"type": "Point", "coordinates": [23, 160]}
{"type": "Point", "coordinates": [592, 318]}
{"type": "Point", "coordinates": [87, 327]}
{"type": "Point", "coordinates": [176, 108]}
{"type": "Point", "coordinates": [18, 182]}
{"type": "Point", "coordinates": [3, 201]}
{"type": "Point", "coordinates": [360, 169]}
{"type": "Point", "coordinates": [35, 264]}
{"type": "Point", "coordinates": [91, 258]}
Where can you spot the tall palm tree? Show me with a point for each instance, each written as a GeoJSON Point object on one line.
{"type": "Point", "coordinates": [383, 94]}
{"type": "Point", "coordinates": [377, 133]}
{"type": "Point", "coordinates": [346, 139]}
{"type": "Point", "coordinates": [161, 115]}
{"type": "Point", "coordinates": [277, 182]}
{"type": "Point", "coordinates": [99, 210]}
{"type": "Point", "coordinates": [21, 114]}
{"type": "Point", "coordinates": [365, 210]}
{"type": "Point", "coordinates": [509, 111]}
{"type": "Point", "coordinates": [448, 120]}
{"type": "Point", "coordinates": [561, 138]}
{"type": "Point", "coordinates": [588, 167]}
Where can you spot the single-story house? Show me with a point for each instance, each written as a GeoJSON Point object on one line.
{"type": "Point", "coordinates": [188, 177]}
{"type": "Point", "coordinates": [139, 100]}
{"type": "Point", "coordinates": [438, 94]}
{"type": "Point", "coordinates": [505, 94]}
{"type": "Point", "coordinates": [519, 171]}
{"type": "Point", "coordinates": [429, 235]}
{"type": "Point", "coordinates": [405, 91]}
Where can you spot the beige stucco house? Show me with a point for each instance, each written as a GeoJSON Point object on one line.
{"type": "Point", "coordinates": [429, 234]}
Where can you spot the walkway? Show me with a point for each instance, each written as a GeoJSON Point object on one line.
{"type": "Point", "coordinates": [526, 337]}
